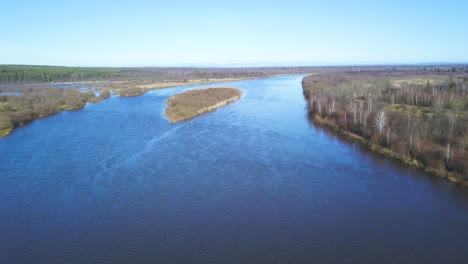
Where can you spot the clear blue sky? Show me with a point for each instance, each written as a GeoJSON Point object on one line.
{"type": "Point", "coordinates": [242, 32]}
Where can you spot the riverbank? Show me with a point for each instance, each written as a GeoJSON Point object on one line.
{"type": "Point", "coordinates": [192, 103]}
{"type": "Point", "coordinates": [418, 119]}
{"type": "Point", "coordinates": [34, 103]}
{"type": "Point", "coordinates": [331, 125]}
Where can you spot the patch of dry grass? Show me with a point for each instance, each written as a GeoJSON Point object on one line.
{"type": "Point", "coordinates": [195, 102]}
{"type": "Point", "coordinates": [167, 84]}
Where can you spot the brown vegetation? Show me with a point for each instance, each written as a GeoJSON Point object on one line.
{"type": "Point", "coordinates": [139, 87]}
{"type": "Point", "coordinates": [192, 103]}
{"type": "Point", "coordinates": [130, 91]}
{"type": "Point", "coordinates": [29, 104]}
{"type": "Point", "coordinates": [421, 119]}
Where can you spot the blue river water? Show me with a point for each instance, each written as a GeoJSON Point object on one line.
{"type": "Point", "coordinates": [253, 182]}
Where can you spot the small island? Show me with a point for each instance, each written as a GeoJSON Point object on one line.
{"type": "Point", "coordinates": [191, 103]}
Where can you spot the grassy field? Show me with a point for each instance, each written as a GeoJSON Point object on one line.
{"type": "Point", "coordinates": [134, 88]}
{"type": "Point", "coordinates": [421, 119]}
{"type": "Point", "coordinates": [167, 84]}
{"type": "Point", "coordinates": [192, 103]}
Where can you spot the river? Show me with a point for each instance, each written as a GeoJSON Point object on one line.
{"type": "Point", "coordinates": [253, 182]}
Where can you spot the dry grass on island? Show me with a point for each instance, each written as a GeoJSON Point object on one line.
{"type": "Point", "coordinates": [136, 88]}
{"type": "Point", "coordinates": [192, 103]}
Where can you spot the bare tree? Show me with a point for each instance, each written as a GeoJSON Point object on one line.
{"type": "Point", "coordinates": [380, 122]}
{"type": "Point", "coordinates": [361, 106]}
{"type": "Point", "coordinates": [353, 108]}
{"type": "Point", "coordinates": [447, 153]}
{"type": "Point", "coordinates": [319, 108]}
{"type": "Point", "coordinates": [388, 136]}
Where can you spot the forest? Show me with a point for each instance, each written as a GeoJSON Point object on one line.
{"type": "Point", "coordinates": [28, 74]}
{"type": "Point", "coordinates": [421, 119]}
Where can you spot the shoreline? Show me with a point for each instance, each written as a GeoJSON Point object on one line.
{"type": "Point", "coordinates": [163, 84]}
{"type": "Point", "coordinates": [144, 88]}
{"type": "Point", "coordinates": [452, 177]}
{"type": "Point", "coordinates": [211, 80]}
{"type": "Point", "coordinates": [8, 131]}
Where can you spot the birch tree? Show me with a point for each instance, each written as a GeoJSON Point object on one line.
{"type": "Point", "coordinates": [380, 122]}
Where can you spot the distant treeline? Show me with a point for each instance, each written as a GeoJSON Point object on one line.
{"type": "Point", "coordinates": [23, 74]}
{"type": "Point", "coordinates": [19, 74]}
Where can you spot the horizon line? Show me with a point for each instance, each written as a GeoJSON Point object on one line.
{"type": "Point", "coordinates": [261, 65]}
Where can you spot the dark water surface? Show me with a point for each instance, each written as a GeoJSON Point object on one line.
{"type": "Point", "coordinates": [249, 183]}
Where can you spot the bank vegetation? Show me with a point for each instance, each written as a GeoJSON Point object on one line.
{"type": "Point", "coordinates": [19, 106]}
{"type": "Point", "coordinates": [420, 119]}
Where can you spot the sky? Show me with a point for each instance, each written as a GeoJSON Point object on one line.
{"type": "Point", "coordinates": [232, 33]}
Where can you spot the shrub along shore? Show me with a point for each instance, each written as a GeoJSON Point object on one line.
{"type": "Point", "coordinates": [28, 104]}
